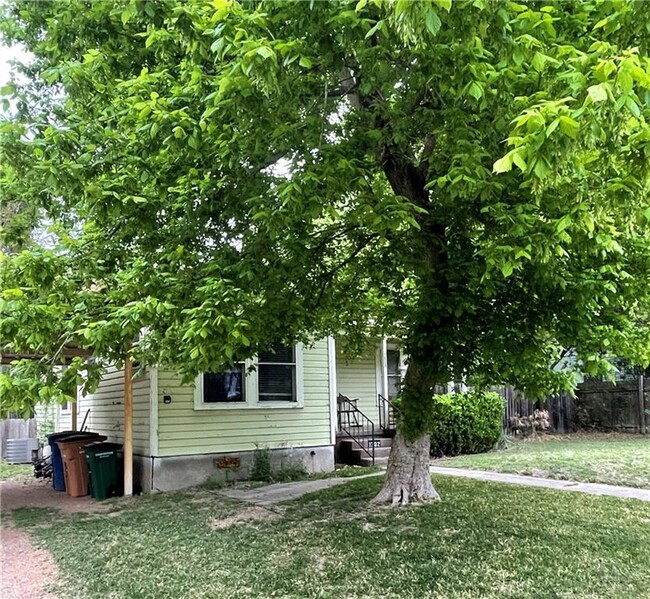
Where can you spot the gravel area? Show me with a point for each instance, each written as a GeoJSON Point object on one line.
{"type": "Point", "coordinates": [34, 492]}
{"type": "Point", "coordinates": [27, 572]}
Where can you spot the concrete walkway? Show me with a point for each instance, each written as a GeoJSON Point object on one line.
{"type": "Point", "coordinates": [279, 492]}
{"type": "Point", "coordinates": [547, 483]}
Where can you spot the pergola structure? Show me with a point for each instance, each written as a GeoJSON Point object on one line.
{"type": "Point", "coordinates": [67, 354]}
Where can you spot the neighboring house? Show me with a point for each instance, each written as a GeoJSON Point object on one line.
{"type": "Point", "coordinates": [53, 417]}
{"type": "Point", "coordinates": [284, 400]}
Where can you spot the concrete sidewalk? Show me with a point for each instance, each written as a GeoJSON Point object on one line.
{"type": "Point", "coordinates": [547, 483]}
{"type": "Point", "coordinates": [279, 492]}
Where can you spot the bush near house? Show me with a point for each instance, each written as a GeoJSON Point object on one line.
{"type": "Point", "coordinates": [466, 422]}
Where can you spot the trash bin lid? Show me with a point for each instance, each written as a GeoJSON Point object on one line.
{"type": "Point", "coordinates": [103, 447]}
{"type": "Point", "coordinates": [79, 440]}
{"type": "Point", "coordinates": [54, 437]}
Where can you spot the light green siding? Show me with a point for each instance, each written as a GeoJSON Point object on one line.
{"type": "Point", "coordinates": [182, 430]}
{"type": "Point", "coordinates": [106, 407]}
{"type": "Point", "coordinates": [357, 379]}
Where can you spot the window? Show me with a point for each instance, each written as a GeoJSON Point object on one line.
{"type": "Point", "coordinates": [393, 373]}
{"type": "Point", "coordinates": [224, 386]}
{"type": "Point", "coordinates": [277, 374]}
{"type": "Point", "coordinates": [271, 379]}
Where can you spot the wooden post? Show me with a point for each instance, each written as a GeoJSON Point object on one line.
{"type": "Point", "coordinates": [642, 418]}
{"type": "Point", "coordinates": [128, 426]}
{"type": "Point", "coordinates": [73, 408]}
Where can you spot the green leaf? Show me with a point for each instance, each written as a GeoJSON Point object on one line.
{"type": "Point", "coordinates": [563, 223]}
{"type": "Point", "coordinates": [432, 22]}
{"type": "Point", "coordinates": [475, 90]}
{"type": "Point", "coordinates": [519, 161]}
{"type": "Point", "coordinates": [539, 61]}
{"type": "Point", "coordinates": [598, 93]}
{"type": "Point", "coordinates": [569, 126]}
{"type": "Point", "coordinates": [503, 165]}
{"type": "Point", "coordinates": [377, 27]}
{"type": "Point", "coordinates": [444, 4]}
{"type": "Point", "coordinates": [507, 269]}
{"type": "Point", "coordinates": [305, 62]}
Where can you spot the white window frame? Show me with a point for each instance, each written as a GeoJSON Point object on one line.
{"type": "Point", "coordinates": [386, 346]}
{"type": "Point", "coordinates": [251, 389]}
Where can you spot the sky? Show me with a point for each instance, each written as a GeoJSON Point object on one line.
{"type": "Point", "coordinates": [7, 54]}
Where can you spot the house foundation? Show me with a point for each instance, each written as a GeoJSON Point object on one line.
{"type": "Point", "coordinates": [178, 472]}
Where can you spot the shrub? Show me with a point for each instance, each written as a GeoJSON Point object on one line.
{"type": "Point", "coordinates": [466, 422]}
{"type": "Point", "coordinates": [262, 470]}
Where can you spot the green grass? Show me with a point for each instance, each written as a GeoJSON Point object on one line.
{"type": "Point", "coordinates": [610, 459]}
{"type": "Point", "coordinates": [15, 471]}
{"type": "Point", "coordinates": [483, 540]}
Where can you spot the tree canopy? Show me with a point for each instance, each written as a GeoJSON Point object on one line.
{"type": "Point", "coordinates": [469, 177]}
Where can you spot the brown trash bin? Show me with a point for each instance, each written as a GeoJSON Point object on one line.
{"type": "Point", "coordinates": [75, 467]}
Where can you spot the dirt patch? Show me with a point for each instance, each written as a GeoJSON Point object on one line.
{"type": "Point", "coordinates": [248, 515]}
{"type": "Point", "coordinates": [34, 492]}
{"type": "Point", "coordinates": [27, 572]}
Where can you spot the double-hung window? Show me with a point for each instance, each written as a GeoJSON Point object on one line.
{"type": "Point", "coordinates": [276, 374]}
{"type": "Point", "coordinates": [271, 379]}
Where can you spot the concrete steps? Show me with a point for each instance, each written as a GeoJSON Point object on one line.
{"type": "Point", "coordinates": [349, 452]}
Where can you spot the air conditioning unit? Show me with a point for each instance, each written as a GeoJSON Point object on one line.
{"type": "Point", "coordinates": [19, 451]}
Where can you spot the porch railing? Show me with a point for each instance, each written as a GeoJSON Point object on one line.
{"type": "Point", "coordinates": [356, 425]}
{"type": "Point", "coordinates": [387, 414]}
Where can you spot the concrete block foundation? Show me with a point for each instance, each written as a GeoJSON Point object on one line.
{"type": "Point", "coordinates": [178, 472]}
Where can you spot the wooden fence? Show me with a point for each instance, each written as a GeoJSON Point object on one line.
{"type": "Point", "coordinates": [621, 406]}
{"type": "Point", "coordinates": [16, 428]}
{"type": "Point", "coordinates": [561, 409]}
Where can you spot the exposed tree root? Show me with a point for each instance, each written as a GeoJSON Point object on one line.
{"type": "Point", "coordinates": [408, 479]}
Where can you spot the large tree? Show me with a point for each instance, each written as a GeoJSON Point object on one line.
{"type": "Point", "coordinates": [469, 177]}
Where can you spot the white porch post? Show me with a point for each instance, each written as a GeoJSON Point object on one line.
{"type": "Point", "coordinates": [384, 378]}
{"type": "Point", "coordinates": [384, 366]}
{"type": "Point", "coordinates": [331, 361]}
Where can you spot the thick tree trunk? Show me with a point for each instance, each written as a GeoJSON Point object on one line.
{"type": "Point", "coordinates": [408, 479]}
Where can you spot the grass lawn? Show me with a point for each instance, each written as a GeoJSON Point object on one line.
{"type": "Point", "coordinates": [611, 459]}
{"type": "Point", "coordinates": [483, 540]}
{"type": "Point", "coordinates": [13, 471]}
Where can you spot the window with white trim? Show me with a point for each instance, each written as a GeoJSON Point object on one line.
{"type": "Point", "coordinates": [276, 374]}
{"type": "Point", "coordinates": [226, 386]}
{"type": "Point", "coordinates": [271, 379]}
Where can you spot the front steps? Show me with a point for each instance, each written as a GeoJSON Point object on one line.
{"type": "Point", "coordinates": [347, 451]}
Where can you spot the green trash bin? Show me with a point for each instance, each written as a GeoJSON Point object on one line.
{"type": "Point", "coordinates": [105, 469]}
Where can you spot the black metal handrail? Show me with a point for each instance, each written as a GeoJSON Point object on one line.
{"type": "Point", "coordinates": [356, 425]}
{"type": "Point", "coordinates": [387, 414]}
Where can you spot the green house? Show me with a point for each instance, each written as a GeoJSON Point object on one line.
{"type": "Point", "coordinates": [285, 400]}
